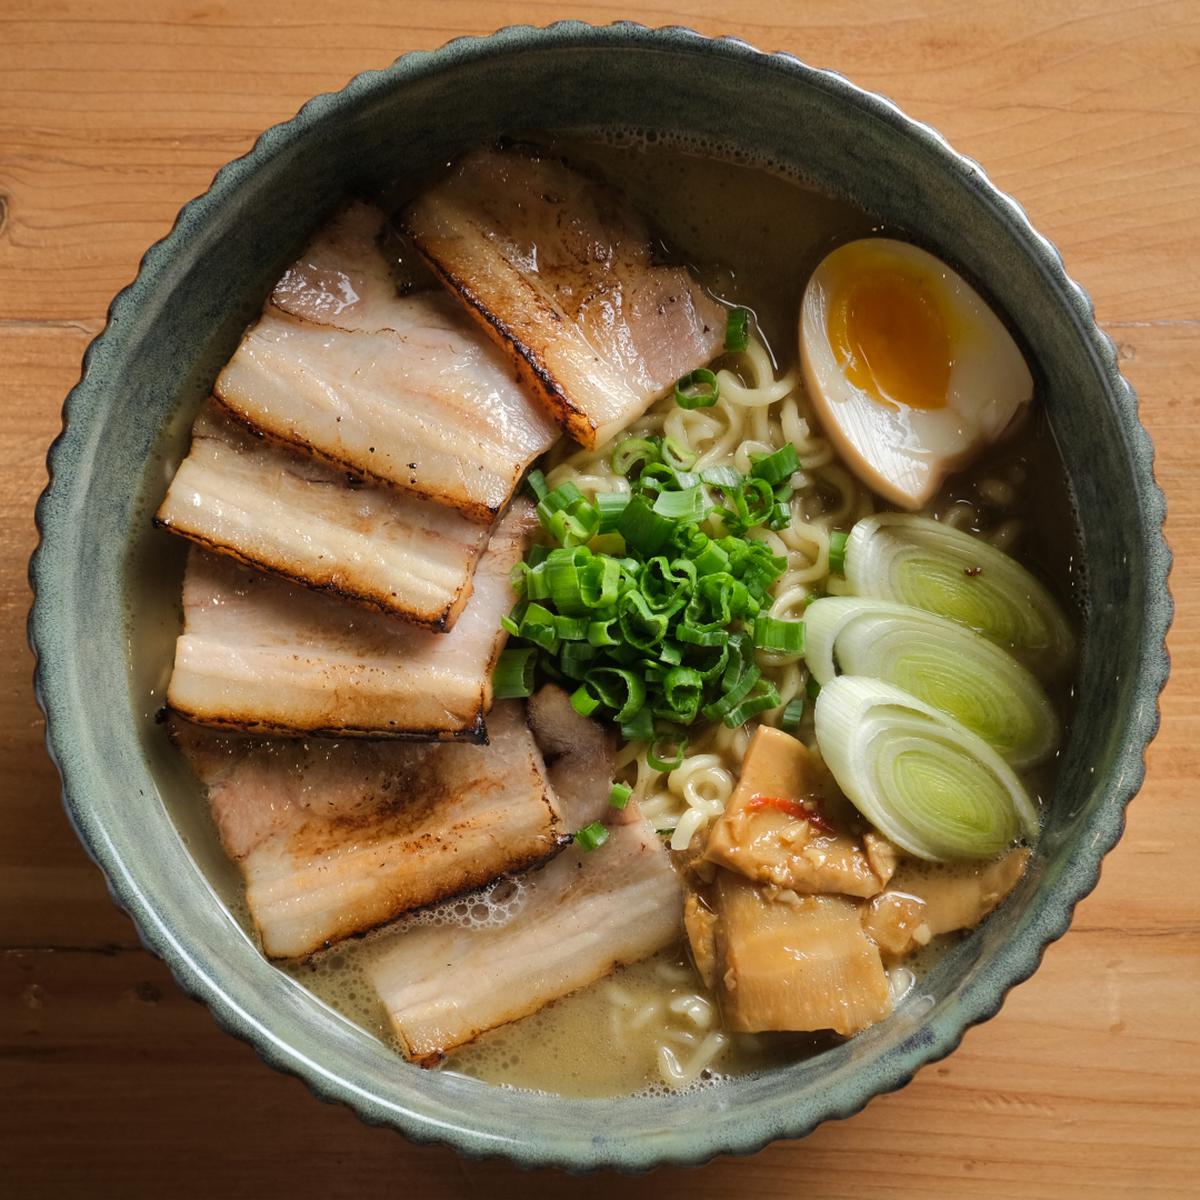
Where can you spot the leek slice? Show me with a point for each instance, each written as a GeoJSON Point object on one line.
{"type": "Point", "coordinates": [921, 778]}
{"type": "Point", "coordinates": [931, 565]}
{"type": "Point", "coordinates": [938, 661]}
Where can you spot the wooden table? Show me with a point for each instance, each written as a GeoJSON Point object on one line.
{"type": "Point", "coordinates": [112, 115]}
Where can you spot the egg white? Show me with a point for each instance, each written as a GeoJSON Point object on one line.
{"type": "Point", "coordinates": [904, 453]}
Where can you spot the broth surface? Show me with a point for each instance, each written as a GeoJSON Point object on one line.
{"type": "Point", "coordinates": [753, 237]}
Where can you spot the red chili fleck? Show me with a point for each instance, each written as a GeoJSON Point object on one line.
{"type": "Point", "coordinates": [801, 810]}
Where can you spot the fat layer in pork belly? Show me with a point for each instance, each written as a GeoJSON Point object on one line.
{"type": "Point", "coordinates": [577, 919]}
{"type": "Point", "coordinates": [561, 273]}
{"type": "Point", "coordinates": [400, 389]}
{"type": "Point", "coordinates": [261, 654]}
{"type": "Point", "coordinates": [287, 513]}
{"type": "Point", "coordinates": [336, 837]}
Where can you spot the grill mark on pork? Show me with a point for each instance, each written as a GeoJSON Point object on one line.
{"type": "Point", "coordinates": [562, 274]}
{"type": "Point", "coordinates": [260, 654]}
{"type": "Point", "coordinates": [334, 838]}
{"type": "Point", "coordinates": [263, 504]}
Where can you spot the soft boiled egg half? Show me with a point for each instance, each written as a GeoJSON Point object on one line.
{"type": "Point", "coordinates": [910, 372]}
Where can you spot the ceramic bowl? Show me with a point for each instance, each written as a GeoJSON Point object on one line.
{"type": "Point", "coordinates": [168, 333]}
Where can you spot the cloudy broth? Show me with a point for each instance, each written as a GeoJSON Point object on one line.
{"type": "Point", "coordinates": [752, 235]}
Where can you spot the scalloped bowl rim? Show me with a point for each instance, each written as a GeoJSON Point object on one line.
{"type": "Point", "coordinates": [1054, 914]}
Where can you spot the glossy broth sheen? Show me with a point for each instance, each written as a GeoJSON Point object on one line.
{"type": "Point", "coordinates": [753, 237]}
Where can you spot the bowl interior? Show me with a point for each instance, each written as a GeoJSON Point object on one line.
{"type": "Point", "coordinates": [103, 663]}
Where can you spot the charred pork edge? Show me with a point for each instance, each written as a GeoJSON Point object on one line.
{"type": "Point", "coordinates": [479, 513]}
{"type": "Point", "coordinates": [442, 622]}
{"type": "Point", "coordinates": [531, 370]}
{"type": "Point", "coordinates": [558, 841]}
{"type": "Point", "coordinates": [475, 733]}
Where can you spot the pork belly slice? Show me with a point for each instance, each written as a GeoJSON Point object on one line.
{"type": "Point", "coordinates": [403, 390]}
{"type": "Point", "coordinates": [343, 277]}
{"type": "Point", "coordinates": [286, 513]}
{"type": "Point", "coordinates": [336, 837]}
{"type": "Point", "coordinates": [580, 917]}
{"type": "Point", "coordinates": [261, 654]}
{"type": "Point", "coordinates": [580, 755]}
{"type": "Point", "coordinates": [561, 272]}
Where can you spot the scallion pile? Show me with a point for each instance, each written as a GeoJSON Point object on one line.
{"type": "Point", "coordinates": [650, 603]}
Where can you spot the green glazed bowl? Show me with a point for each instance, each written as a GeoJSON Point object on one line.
{"type": "Point", "coordinates": [169, 332]}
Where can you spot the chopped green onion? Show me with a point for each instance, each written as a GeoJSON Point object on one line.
{"type": "Point", "coordinates": [737, 330]}
{"type": "Point", "coordinates": [663, 761]}
{"type": "Point", "coordinates": [792, 715]}
{"type": "Point", "coordinates": [513, 676]}
{"type": "Point", "coordinates": [600, 633]}
{"type": "Point", "coordinates": [765, 696]}
{"type": "Point", "coordinates": [619, 689]}
{"type": "Point", "coordinates": [686, 505]}
{"type": "Point", "coordinates": [642, 528]}
{"type": "Point", "coordinates": [674, 455]}
{"type": "Point", "coordinates": [639, 624]}
{"type": "Point", "coordinates": [599, 582]}
{"type": "Point", "coordinates": [649, 617]}
{"type": "Point", "coordinates": [698, 389]}
{"type": "Point", "coordinates": [722, 477]}
{"type": "Point", "coordinates": [639, 727]}
{"type": "Point", "coordinates": [772, 633]}
{"type": "Point", "coordinates": [734, 696]}
{"type": "Point", "coordinates": [696, 636]}
{"type": "Point", "coordinates": [536, 483]}
{"type": "Point", "coordinates": [576, 658]}
{"type": "Point", "coordinates": [633, 452]}
{"type": "Point", "coordinates": [610, 506]}
{"type": "Point", "coordinates": [670, 653]}
{"type": "Point", "coordinates": [666, 584]}
{"type": "Point", "coordinates": [812, 689]}
{"type": "Point", "coordinates": [583, 701]}
{"type": "Point", "coordinates": [777, 467]}
{"type": "Point", "coordinates": [592, 837]}
{"type": "Point", "coordinates": [682, 689]}
{"type": "Point", "coordinates": [837, 551]}
{"type": "Point", "coordinates": [562, 497]}
{"type": "Point", "coordinates": [537, 626]}
{"type": "Point", "coordinates": [712, 559]}
{"type": "Point", "coordinates": [570, 629]}
{"type": "Point", "coordinates": [619, 796]}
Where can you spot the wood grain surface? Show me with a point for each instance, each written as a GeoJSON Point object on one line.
{"type": "Point", "coordinates": [112, 115]}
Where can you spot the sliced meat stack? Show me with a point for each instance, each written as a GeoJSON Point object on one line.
{"type": "Point", "coordinates": [349, 491]}
{"type": "Point", "coordinates": [400, 389]}
{"type": "Point", "coordinates": [562, 273]}
{"type": "Point", "coordinates": [287, 513]}
{"type": "Point", "coordinates": [363, 444]}
{"type": "Point", "coordinates": [260, 654]}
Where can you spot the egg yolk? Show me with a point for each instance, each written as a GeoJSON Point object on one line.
{"type": "Point", "coordinates": [887, 332]}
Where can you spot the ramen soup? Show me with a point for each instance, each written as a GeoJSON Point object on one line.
{"type": "Point", "coordinates": [628, 620]}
